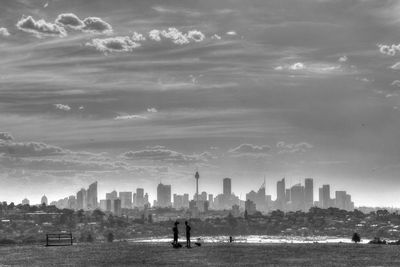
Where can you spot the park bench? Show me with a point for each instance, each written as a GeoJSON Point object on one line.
{"type": "Point", "coordinates": [59, 239]}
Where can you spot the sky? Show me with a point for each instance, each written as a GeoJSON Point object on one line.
{"type": "Point", "coordinates": [133, 93]}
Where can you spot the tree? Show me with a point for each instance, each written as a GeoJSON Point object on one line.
{"type": "Point", "coordinates": [150, 218]}
{"type": "Point", "coordinates": [110, 237]}
{"type": "Point", "coordinates": [246, 216]}
{"type": "Point", "coordinates": [356, 238]}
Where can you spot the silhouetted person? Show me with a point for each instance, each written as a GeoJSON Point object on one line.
{"type": "Point", "coordinates": [175, 231]}
{"type": "Point", "coordinates": [188, 228]}
{"type": "Point", "coordinates": [230, 239]}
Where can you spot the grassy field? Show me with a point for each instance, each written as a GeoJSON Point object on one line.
{"type": "Point", "coordinates": [133, 254]}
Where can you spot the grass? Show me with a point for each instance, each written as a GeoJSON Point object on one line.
{"type": "Point", "coordinates": [133, 254]}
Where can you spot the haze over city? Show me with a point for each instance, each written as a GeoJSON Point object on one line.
{"type": "Point", "coordinates": [134, 93]}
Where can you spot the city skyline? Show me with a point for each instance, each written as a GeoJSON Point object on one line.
{"type": "Point", "coordinates": [129, 93]}
{"type": "Point", "coordinates": [289, 201]}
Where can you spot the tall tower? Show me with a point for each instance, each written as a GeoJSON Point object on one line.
{"type": "Point", "coordinates": [197, 176]}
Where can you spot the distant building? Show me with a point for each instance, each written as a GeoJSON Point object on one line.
{"type": "Point", "coordinates": [116, 207]}
{"type": "Point", "coordinates": [340, 200]}
{"type": "Point", "coordinates": [72, 202]}
{"type": "Point", "coordinates": [308, 193]}
{"type": "Point", "coordinates": [227, 187]}
{"type": "Point", "coordinates": [185, 201]}
{"type": "Point", "coordinates": [92, 196]}
{"type": "Point", "coordinates": [281, 195]}
{"type": "Point", "coordinates": [81, 199]}
{"type": "Point", "coordinates": [126, 200]}
{"type": "Point", "coordinates": [297, 198]}
{"type": "Point", "coordinates": [178, 202]}
{"type": "Point", "coordinates": [103, 204]}
{"type": "Point", "coordinates": [44, 200]}
{"type": "Point", "coordinates": [113, 195]}
{"type": "Point", "coordinates": [250, 207]}
{"type": "Point", "coordinates": [326, 196]}
{"type": "Point", "coordinates": [164, 195]}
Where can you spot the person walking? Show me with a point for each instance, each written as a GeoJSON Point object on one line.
{"type": "Point", "coordinates": [188, 228]}
{"type": "Point", "coordinates": [176, 232]}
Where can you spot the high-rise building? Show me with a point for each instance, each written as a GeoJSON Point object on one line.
{"type": "Point", "coordinates": [139, 197]}
{"type": "Point", "coordinates": [44, 200]}
{"type": "Point", "coordinates": [126, 200]}
{"type": "Point", "coordinates": [103, 204]}
{"type": "Point", "coordinates": [280, 194]}
{"type": "Point", "coordinates": [185, 201]}
{"type": "Point", "coordinates": [178, 202]}
{"type": "Point", "coordinates": [72, 202]}
{"type": "Point", "coordinates": [297, 198]}
{"type": "Point", "coordinates": [340, 200]}
{"type": "Point", "coordinates": [116, 207]}
{"type": "Point", "coordinates": [326, 196]}
{"type": "Point", "coordinates": [81, 199]}
{"type": "Point", "coordinates": [92, 196]}
{"type": "Point", "coordinates": [112, 195]}
{"type": "Point", "coordinates": [227, 186]}
{"type": "Point", "coordinates": [163, 195]}
{"type": "Point", "coordinates": [308, 193]}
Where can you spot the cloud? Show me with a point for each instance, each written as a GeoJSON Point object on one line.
{"type": "Point", "coordinates": [297, 66]}
{"type": "Point", "coordinates": [343, 59]}
{"type": "Point", "coordinates": [196, 36]}
{"type": "Point", "coordinates": [137, 37]}
{"type": "Point", "coordinates": [62, 107]}
{"type": "Point", "coordinates": [389, 50]}
{"type": "Point", "coordinates": [176, 36]}
{"type": "Point", "coordinates": [250, 149]}
{"type": "Point", "coordinates": [216, 37]}
{"type": "Point", "coordinates": [166, 155]}
{"type": "Point", "coordinates": [129, 117]}
{"type": "Point", "coordinates": [30, 149]}
{"type": "Point", "coordinates": [6, 136]}
{"type": "Point", "coordinates": [40, 28]}
{"type": "Point", "coordinates": [114, 44]}
{"type": "Point", "coordinates": [152, 110]}
{"type": "Point", "coordinates": [396, 66]}
{"type": "Point", "coordinates": [320, 68]}
{"type": "Point", "coordinates": [287, 148]}
{"type": "Point", "coordinates": [96, 25]}
{"type": "Point", "coordinates": [4, 32]}
{"type": "Point", "coordinates": [70, 20]}
{"type": "Point", "coordinates": [396, 83]}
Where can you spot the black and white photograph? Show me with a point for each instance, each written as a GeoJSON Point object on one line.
{"type": "Point", "coordinates": [199, 133]}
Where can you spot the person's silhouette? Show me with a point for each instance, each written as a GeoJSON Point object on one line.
{"type": "Point", "coordinates": [175, 231]}
{"type": "Point", "coordinates": [188, 228]}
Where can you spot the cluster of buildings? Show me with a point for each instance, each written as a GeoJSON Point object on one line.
{"type": "Point", "coordinates": [297, 197]}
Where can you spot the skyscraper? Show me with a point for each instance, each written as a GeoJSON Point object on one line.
{"type": "Point", "coordinates": [163, 195]}
{"type": "Point", "coordinates": [126, 200]}
{"type": "Point", "coordinates": [81, 199]}
{"type": "Point", "coordinates": [197, 176]}
{"type": "Point", "coordinates": [308, 193]}
{"type": "Point", "coordinates": [280, 194]}
{"type": "Point", "coordinates": [297, 198]}
{"type": "Point", "coordinates": [227, 190]}
{"type": "Point", "coordinates": [340, 200]}
{"type": "Point", "coordinates": [92, 196]}
{"type": "Point", "coordinates": [326, 196]}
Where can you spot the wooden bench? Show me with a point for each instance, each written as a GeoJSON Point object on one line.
{"type": "Point", "coordinates": [60, 239]}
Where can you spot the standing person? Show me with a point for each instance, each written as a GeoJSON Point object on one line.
{"type": "Point", "coordinates": [175, 231]}
{"type": "Point", "coordinates": [188, 228]}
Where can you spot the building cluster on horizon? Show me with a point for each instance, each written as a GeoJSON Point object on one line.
{"type": "Point", "coordinates": [296, 198]}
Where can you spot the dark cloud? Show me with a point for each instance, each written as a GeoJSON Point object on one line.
{"type": "Point", "coordinates": [40, 27]}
